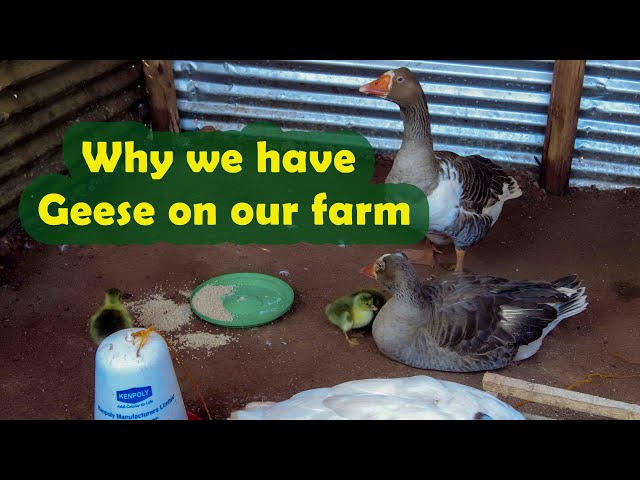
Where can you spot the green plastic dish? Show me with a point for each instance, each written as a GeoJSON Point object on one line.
{"type": "Point", "coordinates": [256, 300]}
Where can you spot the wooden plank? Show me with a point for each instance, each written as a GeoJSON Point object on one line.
{"type": "Point", "coordinates": [13, 72]}
{"type": "Point", "coordinates": [52, 163]}
{"type": "Point", "coordinates": [558, 397]}
{"type": "Point", "coordinates": [13, 185]}
{"type": "Point", "coordinates": [531, 416]}
{"type": "Point", "coordinates": [161, 90]}
{"type": "Point", "coordinates": [562, 124]}
{"type": "Point", "coordinates": [20, 157]}
{"type": "Point", "coordinates": [13, 188]}
{"type": "Point", "coordinates": [34, 94]}
{"type": "Point", "coordinates": [79, 99]}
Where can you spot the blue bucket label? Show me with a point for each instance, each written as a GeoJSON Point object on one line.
{"type": "Point", "coordinates": [134, 395]}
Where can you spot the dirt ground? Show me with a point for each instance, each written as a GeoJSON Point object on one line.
{"type": "Point", "coordinates": [48, 294]}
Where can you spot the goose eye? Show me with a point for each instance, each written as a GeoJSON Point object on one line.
{"type": "Point", "coordinates": [400, 79]}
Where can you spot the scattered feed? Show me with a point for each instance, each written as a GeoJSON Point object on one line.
{"type": "Point", "coordinates": [203, 340]}
{"type": "Point", "coordinates": [160, 312]}
{"type": "Point", "coordinates": [208, 301]}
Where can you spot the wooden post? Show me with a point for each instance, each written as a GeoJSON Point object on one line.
{"type": "Point", "coordinates": [562, 124]}
{"type": "Point", "coordinates": [558, 397]}
{"type": "Point", "coordinates": [161, 90]}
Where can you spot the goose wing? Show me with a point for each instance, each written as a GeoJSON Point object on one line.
{"type": "Point", "coordinates": [484, 183]}
{"type": "Point", "coordinates": [484, 316]}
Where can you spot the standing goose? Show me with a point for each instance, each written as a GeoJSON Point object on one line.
{"type": "Point", "coordinates": [463, 322]}
{"type": "Point", "coordinates": [465, 194]}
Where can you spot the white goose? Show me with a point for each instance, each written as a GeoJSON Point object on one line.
{"type": "Point", "coordinates": [465, 194]}
{"type": "Point", "coordinates": [411, 398]}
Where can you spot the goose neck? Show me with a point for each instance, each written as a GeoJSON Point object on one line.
{"type": "Point", "coordinates": [417, 124]}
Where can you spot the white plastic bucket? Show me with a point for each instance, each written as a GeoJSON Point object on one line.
{"type": "Point", "coordinates": [132, 387]}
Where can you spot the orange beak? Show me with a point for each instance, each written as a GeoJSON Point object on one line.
{"type": "Point", "coordinates": [379, 87]}
{"type": "Point", "coordinates": [368, 271]}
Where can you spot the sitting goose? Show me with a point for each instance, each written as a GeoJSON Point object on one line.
{"type": "Point", "coordinates": [463, 322]}
{"type": "Point", "coordinates": [465, 194]}
{"type": "Point", "coordinates": [412, 398]}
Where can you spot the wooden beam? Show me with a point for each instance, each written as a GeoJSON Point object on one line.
{"type": "Point", "coordinates": [12, 72]}
{"type": "Point", "coordinates": [562, 124]}
{"type": "Point", "coordinates": [25, 126]}
{"type": "Point", "coordinates": [558, 397]}
{"type": "Point", "coordinates": [39, 93]}
{"type": "Point", "coordinates": [531, 416]}
{"type": "Point", "coordinates": [13, 160]}
{"type": "Point", "coordinates": [161, 90]}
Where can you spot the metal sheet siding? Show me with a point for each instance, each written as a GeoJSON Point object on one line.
{"type": "Point", "coordinates": [39, 99]}
{"type": "Point", "coordinates": [607, 150]}
{"type": "Point", "coordinates": [494, 108]}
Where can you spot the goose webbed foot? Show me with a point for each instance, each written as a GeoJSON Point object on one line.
{"type": "Point", "coordinates": [458, 266]}
{"type": "Point", "coordinates": [460, 260]}
{"type": "Point", "coordinates": [352, 342]}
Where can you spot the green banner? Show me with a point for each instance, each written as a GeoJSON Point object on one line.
{"type": "Point", "coordinates": [127, 185]}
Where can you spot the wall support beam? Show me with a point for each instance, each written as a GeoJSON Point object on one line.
{"type": "Point", "coordinates": [562, 124]}
{"type": "Point", "coordinates": [161, 90]}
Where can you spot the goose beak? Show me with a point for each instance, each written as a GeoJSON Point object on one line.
{"type": "Point", "coordinates": [379, 87]}
{"type": "Point", "coordinates": [368, 271]}
{"type": "Point", "coordinates": [373, 308]}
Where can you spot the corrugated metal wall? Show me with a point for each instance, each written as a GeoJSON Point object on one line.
{"type": "Point", "coordinates": [494, 108]}
{"type": "Point", "coordinates": [39, 99]}
{"type": "Point", "coordinates": [607, 151]}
